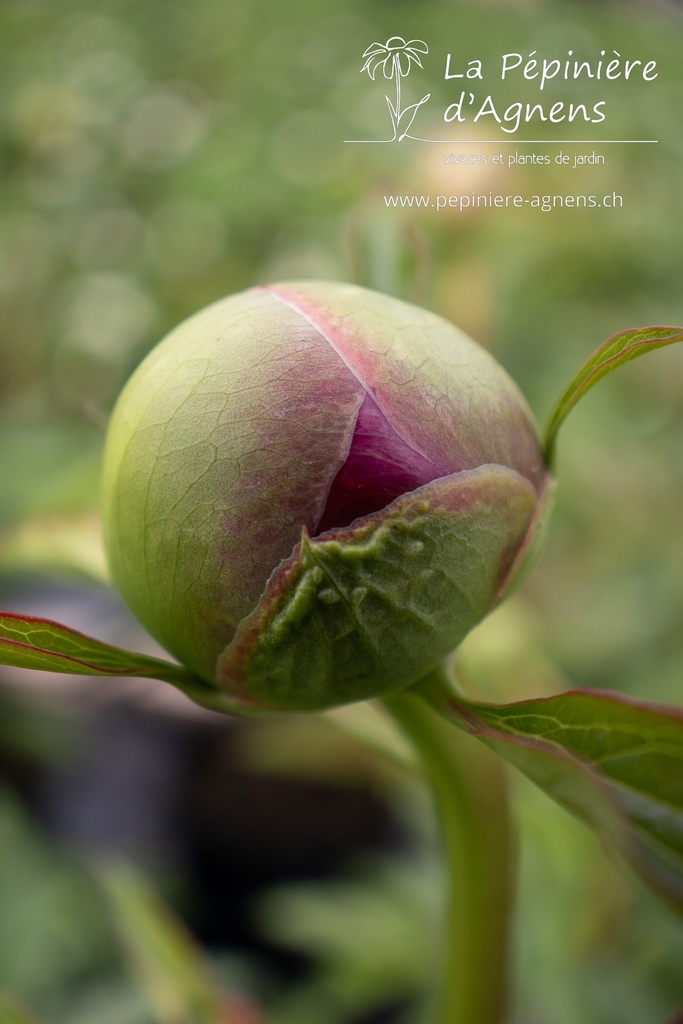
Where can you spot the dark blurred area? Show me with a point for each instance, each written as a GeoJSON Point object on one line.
{"type": "Point", "coordinates": [155, 157]}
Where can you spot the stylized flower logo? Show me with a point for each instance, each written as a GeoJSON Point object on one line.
{"type": "Point", "coordinates": [396, 58]}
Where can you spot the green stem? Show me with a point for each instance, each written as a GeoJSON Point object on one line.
{"type": "Point", "coordinates": [468, 786]}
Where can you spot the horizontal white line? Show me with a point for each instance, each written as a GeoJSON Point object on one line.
{"type": "Point", "coordinates": [517, 142]}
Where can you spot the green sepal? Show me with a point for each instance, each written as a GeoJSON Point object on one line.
{"type": "Point", "coordinates": [368, 610]}
{"type": "Point", "coordinates": [534, 542]}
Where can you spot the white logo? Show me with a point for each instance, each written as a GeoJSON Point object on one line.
{"type": "Point", "coordinates": [396, 58]}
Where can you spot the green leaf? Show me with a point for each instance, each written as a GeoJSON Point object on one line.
{"type": "Point", "coordinates": [618, 349]}
{"type": "Point", "coordinates": [616, 763]}
{"type": "Point", "coordinates": [28, 642]}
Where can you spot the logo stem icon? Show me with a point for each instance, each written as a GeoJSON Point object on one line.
{"type": "Point", "coordinates": [398, 90]}
{"type": "Point", "coordinates": [395, 57]}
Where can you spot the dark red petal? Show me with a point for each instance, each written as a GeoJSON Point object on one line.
{"type": "Point", "coordinates": [379, 468]}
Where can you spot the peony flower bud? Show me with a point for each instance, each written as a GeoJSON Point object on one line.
{"type": "Point", "coordinates": [313, 492]}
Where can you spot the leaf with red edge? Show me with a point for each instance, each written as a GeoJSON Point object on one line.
{"type": "Point", "coordinates": [33, 643]}
{"type": "Point", "coordinates": [618, 349]}
{"type": "Point", "coordinates": [615, 762]}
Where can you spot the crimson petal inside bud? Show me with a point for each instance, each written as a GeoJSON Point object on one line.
{"type": "Point", "coordinates": [380, 467]}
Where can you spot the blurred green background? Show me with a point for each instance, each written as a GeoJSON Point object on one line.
{"type": "Point", "coordinates": [155, 156]}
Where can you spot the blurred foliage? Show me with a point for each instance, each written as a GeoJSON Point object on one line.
{"type": "Point", "coordinates": [73, 940]}
{"type": "Point", "coordinates": [156, 156]}
{"type": "Point", "coordinates": [56, 951]}
{"type": "Point", "coordinates": [14, 1012]}
{"type": "Point", "coordinates": [169, 967]}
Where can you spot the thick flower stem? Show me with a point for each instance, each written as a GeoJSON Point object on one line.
{"type": "Point", "coordinates": [468, 786]}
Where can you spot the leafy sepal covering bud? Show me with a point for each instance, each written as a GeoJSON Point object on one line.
{"type": "Point", "coordinates": [367, 610]}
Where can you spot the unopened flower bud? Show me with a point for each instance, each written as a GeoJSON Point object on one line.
{"type": "Point", "coordinates": [313, 492]}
